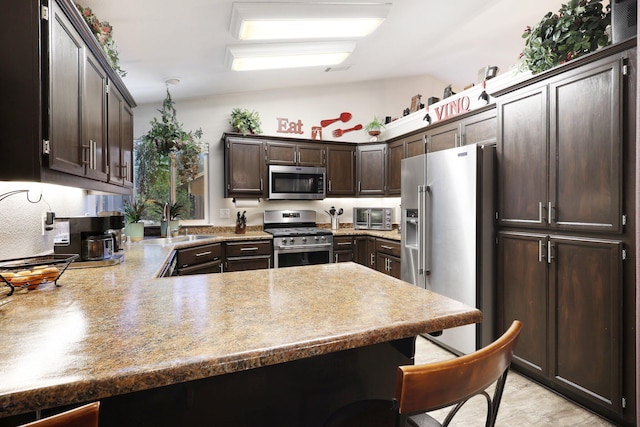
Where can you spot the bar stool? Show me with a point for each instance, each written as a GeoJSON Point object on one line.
{"type": "Point", "coordinates": [432, 386]}
{"type": "Point", "coordinates": [83, 416]}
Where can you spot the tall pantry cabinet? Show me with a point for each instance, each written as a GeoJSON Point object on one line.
{"type": "Point", "coordinates": [566, 167]}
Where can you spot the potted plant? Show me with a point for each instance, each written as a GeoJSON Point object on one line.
{"type": "Point", "coordinates": [133, 213]}
{"type": "Point", "coordinates": [245, 121]}
{"type": "Point", "coordinates": [578, 28]}
{"type": "Point", "coordinates": [373, 128]}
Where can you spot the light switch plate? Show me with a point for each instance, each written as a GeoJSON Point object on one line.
{"type": "Point", "coordinates": [224, 213]}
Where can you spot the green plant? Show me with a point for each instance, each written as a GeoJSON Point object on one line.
{"type": "Point", "coordinates": [102, 31]}
{"type": "Point", "coordinates": [245, 121]}
{"type": "Point", "coordinates": [175, 209]}
{"type": "Point", "coordinates": [166, 138]}
{"type": "Point", "coordinates": [133, 211]}
{"type": "Point", "coordinates": [374, 125]}
{"type": "Point", "coordinates": [578, 28]}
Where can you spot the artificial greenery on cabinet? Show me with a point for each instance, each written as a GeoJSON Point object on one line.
{"type": "Point", "coordinates": [579, 27]}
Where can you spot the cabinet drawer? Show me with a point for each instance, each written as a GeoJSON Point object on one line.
{"type": "Point", "coordinates": [205, 268]}
{"type": "Point", "coordinates": [342, 243]}
{"type": "Point", "coordinates": [248, 248]}
{"type": "Point", "coordinates": [199, 255]}
{"type": "Point", "coordinates": [388, 247]}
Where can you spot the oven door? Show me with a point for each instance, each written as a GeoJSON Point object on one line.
{"type": "Point", "coordinates": [296, 183]}
{"type": "Point", "coordinates": [297, 255]}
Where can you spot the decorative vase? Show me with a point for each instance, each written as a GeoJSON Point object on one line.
{"type": "Point", "coordinates": [135, 231]}
{"type": "Point", "coordinates": [174, 227]}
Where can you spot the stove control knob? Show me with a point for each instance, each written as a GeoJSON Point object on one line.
{"type": "Point", "coordinates": [304, 239]}
{"type": "Point", "coordinates": [284, 241]}
{"type": "Point", "coordinates": [323, 238]}
{"type": "Point", "coordinates": [315, 238]}
{"type": "Point", "coordinates": [291, 240]}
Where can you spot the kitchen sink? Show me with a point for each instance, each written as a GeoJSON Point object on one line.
{"type": "Point", "coordinates": [176, 239]}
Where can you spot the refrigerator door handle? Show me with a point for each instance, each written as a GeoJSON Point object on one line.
{"type": "Point", "coordinates": [419, 231]}
{"type": "Point", "coordinates": [424, 253]}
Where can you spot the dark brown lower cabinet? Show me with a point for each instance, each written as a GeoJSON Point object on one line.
{"type": "Point", "coordinates": [388, 257]}
{"type": "Point", "coordinates": [364, 251]}
{"type": "Point", "coordinates": [343, 248]}
{"type": "Point", "coordinates": [567, 291]}
{"type": "Point", "coordinates": [248, 255]}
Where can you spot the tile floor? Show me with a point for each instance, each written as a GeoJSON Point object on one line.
{"type": "Point", "coordinates": [524, 403]}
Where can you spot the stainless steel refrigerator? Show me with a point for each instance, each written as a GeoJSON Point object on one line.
{"type": "Point", "coordinates": [448, 234]}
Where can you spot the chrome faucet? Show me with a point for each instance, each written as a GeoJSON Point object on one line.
{"type": "Point", "coordinates": [165, 212]}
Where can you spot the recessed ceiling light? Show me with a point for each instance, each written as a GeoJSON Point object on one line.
{"type": "Point", "coordinates": [287, 55]}
{"type": "Point", "coordinates": [286, 21]}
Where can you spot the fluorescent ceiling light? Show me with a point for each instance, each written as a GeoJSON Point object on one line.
{"type": "Point", "coordinates": [287, 55]}
{"type": "Point", "coordinates": [286, 21]}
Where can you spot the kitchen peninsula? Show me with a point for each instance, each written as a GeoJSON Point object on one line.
{"type": "Point", "coordinates": [283, 346]}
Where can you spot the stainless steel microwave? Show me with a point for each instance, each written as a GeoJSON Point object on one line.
{"type": "Point", "coordinates": [373, 218]}
{"type": "Point", "coordinates": [296, 183]}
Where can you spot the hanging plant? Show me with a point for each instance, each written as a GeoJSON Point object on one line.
{"type": "Point", "coordinates": [102, 31]}
{"type": "Point", "coordinates": [166, 138]}
{"type": "Point", "coordinates": [578, 28]}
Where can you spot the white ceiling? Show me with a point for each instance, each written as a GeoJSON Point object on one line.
{"type": "Point", "coordinates": [447, 39]}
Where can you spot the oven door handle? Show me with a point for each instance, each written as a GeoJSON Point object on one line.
{"type": "Point", "coordinates": [322, 245]}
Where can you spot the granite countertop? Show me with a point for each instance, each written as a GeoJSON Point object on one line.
{"type": "Point", "coordinates": [349, 231]}
{"type": "Point", "coordinates": [113, 330]}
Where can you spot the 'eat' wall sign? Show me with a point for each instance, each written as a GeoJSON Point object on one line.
{"type": "Point", "coordinates": [286, 126]}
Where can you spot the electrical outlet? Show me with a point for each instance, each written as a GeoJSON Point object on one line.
{"type": "Point", "coordinates": [224, 213]}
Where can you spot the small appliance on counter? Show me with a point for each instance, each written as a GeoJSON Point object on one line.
{"type": "Point", "coordinates": [116, 227]}
{"type": "Point", "coordinates": [373, 218]}
{"type": "Point", "coordinates": [86, 236]}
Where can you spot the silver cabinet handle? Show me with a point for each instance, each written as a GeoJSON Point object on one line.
{"type": "Point", "coordinates": [373, 259]}
{"type": "Point", "coordinates": [386, 247]}
{"type": "Point", "coordinates": [248, 249]}
{"type": "Point", "coordinates": [550, 216]}
{"type": "Point", "coordinates": [343, 243]}
{"type": "Point", "coordinates": [329, 185]}
{"type": "Point", "coordinates": [203, 253]}
{"type": "Point", "coordinates": [335, 256]}
{"type": "Point", "coordinates": [540, 255]}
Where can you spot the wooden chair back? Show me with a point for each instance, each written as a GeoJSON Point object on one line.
{"type": "Point", "coordinates": [84, 416]}
{"type": "Point", "coordinates": [421, 388]}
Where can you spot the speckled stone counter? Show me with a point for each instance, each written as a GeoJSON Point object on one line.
{"type": "Point", "coordinates": [113, 330]}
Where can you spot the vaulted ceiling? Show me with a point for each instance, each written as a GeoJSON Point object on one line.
{"type": "Point", "coordinates": [449, 40]}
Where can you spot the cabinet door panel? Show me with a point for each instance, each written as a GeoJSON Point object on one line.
{"type": "Point", "coordinates": [522, 286]}
{"type": "Point", "coordinates": [95, 130]}
{"type": "Point", "coordinates": [371, 170]}
{"type": "Point", "coordinates": [586, 173]}
{"type": "Point", "coordinates": [480, 128]}
{"type": "Point", "coordinates": [443, 138]}
{"type": "Point", "coordinates": [415, 145]}
{"type": "Point", "coordinates": [127, 145]}
{"type": "Point", "coordinates": [586, 289]}
{"type": "Point", "coordinates": [522, 159]}
{"type": "Point", "coordinates": [281, 154]}
{"type": "Point", "coordinates": [311, 155]}
{"type": "Point", "coordinates": [67, 59]}
{"type": "Point", "coordinates": [396, 154]}
{"type": "Point", "coordinates": [341, 171]}
{"type": "Point", "coordinates": [115, 110]}
{"type": "Point", "coordinates": [244, 168]}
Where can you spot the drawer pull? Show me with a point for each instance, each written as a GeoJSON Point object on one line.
{"type": "Point", "coordinates": [248, 249]}
{"type": "Point", "coordinates": [343, 243]}
{"type": "Point", "coordinates": [386, 247]}
{"type": "Point", "coordinates": [204, 253]}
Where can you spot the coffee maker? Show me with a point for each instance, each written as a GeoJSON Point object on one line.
{"type": "Point", "coordinates": [86, 236]}
{"type": "Point", "coordinates": [116, 228]}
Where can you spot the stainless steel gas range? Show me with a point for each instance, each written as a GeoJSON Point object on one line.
{"type": "Point", "coordinates": [296, 238]}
